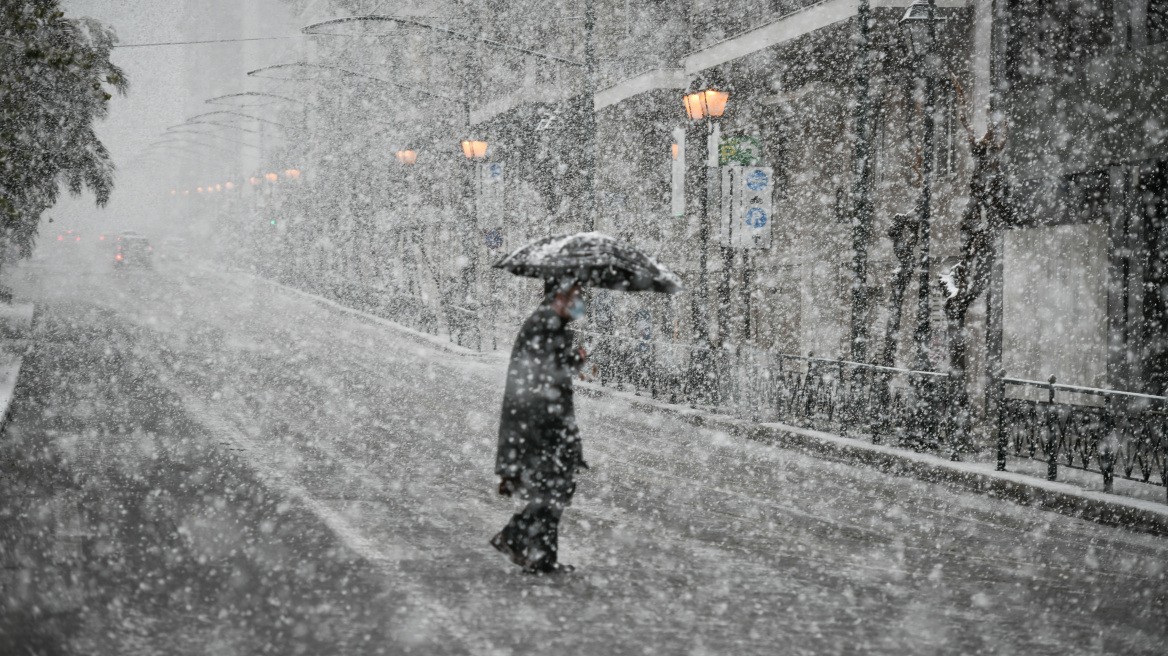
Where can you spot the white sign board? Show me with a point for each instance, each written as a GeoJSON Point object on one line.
{"type": "Point", "coordinates": [746, 213]}
{"type": "Point", "coordinates": [677, 173]}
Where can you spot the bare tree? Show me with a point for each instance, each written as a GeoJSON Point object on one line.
{"type": "Point", "coordinates": [903, 234]}
{"type": "Point", "coordinates": [984, 215]}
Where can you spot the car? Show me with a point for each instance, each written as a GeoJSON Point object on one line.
{"type": "Point", "coordinates": [133, 250]}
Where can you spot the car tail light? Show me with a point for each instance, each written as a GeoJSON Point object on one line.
{"type": "Point", "coordinates": [150, 248]}
{"type": "Point", "coordinates": [118, 256]}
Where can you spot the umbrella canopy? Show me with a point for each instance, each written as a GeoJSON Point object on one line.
{"type": "Point", "coordinates": [591, 259]}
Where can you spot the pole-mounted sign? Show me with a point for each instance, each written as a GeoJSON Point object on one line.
{"type": "Point", "coordinates": [746, 206]}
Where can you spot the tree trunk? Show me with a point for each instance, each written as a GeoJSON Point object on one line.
{"type": "Point", "coordinates": [904, 239]}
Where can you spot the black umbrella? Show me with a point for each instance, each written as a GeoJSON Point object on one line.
{"type": "Point", "coordinates": [591, 259]}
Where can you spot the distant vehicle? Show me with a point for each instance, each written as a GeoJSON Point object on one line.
{"type": "Point", "coordinates": [133, 250]}
{"type": "Point", "coordinates": [173, 249]}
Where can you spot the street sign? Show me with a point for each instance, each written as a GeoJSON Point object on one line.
{"type": "Point", "coordinates": [493, 238]}
{"type": "Point", "coordinates": [746, 212]}
{"type": "Point", "coordinates": [643, 320]}
{"type": "Point", "coordinates": [743, 151]}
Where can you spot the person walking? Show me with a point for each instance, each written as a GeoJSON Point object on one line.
{"type": "Point", "coordinates": [539, 444]}
{"type": "Point", "coordinates": [539, 448]}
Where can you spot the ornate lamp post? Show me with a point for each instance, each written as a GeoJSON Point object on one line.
{"type": "Point", "coordinates": [407, 158]}
{"type": "Point", "coordinates": [475, 151]}
{"type": "Point", "coordinates": [704, 100]}
{"type": "Point", "coordinates": [920, 25]}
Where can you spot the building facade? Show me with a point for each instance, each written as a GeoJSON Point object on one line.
{"type": "Point", "coordinates": [1078, 290]}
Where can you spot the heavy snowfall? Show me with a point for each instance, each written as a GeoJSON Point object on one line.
{"type": "Point", "coordinates": [583, 326]}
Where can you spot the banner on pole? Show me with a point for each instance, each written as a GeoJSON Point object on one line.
{"type": "Point", "coordinates": [746, 212]}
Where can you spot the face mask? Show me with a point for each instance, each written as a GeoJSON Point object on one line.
{"type": "Point", "coordinates": [576, 308]}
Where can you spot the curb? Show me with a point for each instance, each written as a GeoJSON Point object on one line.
{"type": "Point", "coordinates": [1133, 514]}
{"type": "Point", "coordinates": [425, 339]}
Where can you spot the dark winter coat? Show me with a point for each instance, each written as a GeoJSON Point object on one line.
{"type": "Point", "coordinates": [539, 443]}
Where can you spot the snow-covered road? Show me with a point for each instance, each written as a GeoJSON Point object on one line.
{"type": "Point", "coordinates": [255, 472]}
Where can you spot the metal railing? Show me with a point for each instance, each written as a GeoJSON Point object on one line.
{"type": "Point", "coordinates": [1127, 434]}
{"type": "Point", "coordinates": [905, 407]}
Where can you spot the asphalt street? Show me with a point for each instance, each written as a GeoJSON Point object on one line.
{"type": "Point", "coordinates": [200, 462]}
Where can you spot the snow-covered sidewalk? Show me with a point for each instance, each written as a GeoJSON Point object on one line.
{"type": "Point", "coordinates": [1130, 505]}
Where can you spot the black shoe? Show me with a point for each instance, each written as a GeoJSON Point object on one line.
{"type": "Point", "coordinates": [507, 550]}
{"type": "Point", "coordinates": [548, 569]}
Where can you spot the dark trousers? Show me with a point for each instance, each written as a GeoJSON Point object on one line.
{"type": "Point", "coordinates": [533, 533]}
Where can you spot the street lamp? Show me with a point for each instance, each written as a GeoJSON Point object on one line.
{"type": "Point", "coordinates": [474, 149]}
{"type": "Point", "coordinates": [919, 25]}
{"type": "Point", "coordinates": [406, 233]}
{"type": "Point", "coordinates": [704, 100]}
{"type": "Point", "coordinates": [708, 102]}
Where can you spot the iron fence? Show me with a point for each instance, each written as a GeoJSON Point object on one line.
{"type": "Point", "coordinates": [905, 407]}
{"type": "Point", "coordinates": [1125, 433]}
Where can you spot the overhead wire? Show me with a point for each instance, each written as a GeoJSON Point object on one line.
{"type": "Point", "coordinates": [188, 43]}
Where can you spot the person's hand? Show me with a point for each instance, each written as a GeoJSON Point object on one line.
{"type": "Point", "coordinates": [507, 486]}
{"type": "Point", "coordinates": [583, 355]}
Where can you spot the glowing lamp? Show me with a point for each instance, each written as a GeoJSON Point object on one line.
{"type": "Point", "coordinates": [474, 149]}
{"type": "Point", "coordinates": [710, 102]}
{"type": "Point", "coordinates": [673, 150]}
{"type": "Point", "coordinates": [229, 186]}
{"type": "Point", "coordinates": [706, 96]}
{"type": "Point", "coordinates": [292, 173]}
{"type": "Point", "coordinates": [272, 177]}
{"type": "Point", "coordinates": [407, 157]}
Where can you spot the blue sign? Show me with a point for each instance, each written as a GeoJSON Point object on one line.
{"type": "Point", "coordinates": [496, 170]}
{"type": "Point", "coordinates": [756, 181]}
{"type": "Point", "coordinates": [494, 239]}
{"type": "Point", "coordinates": [756, 217]}
{"type": "Point", "coordinates": [644, 324]}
